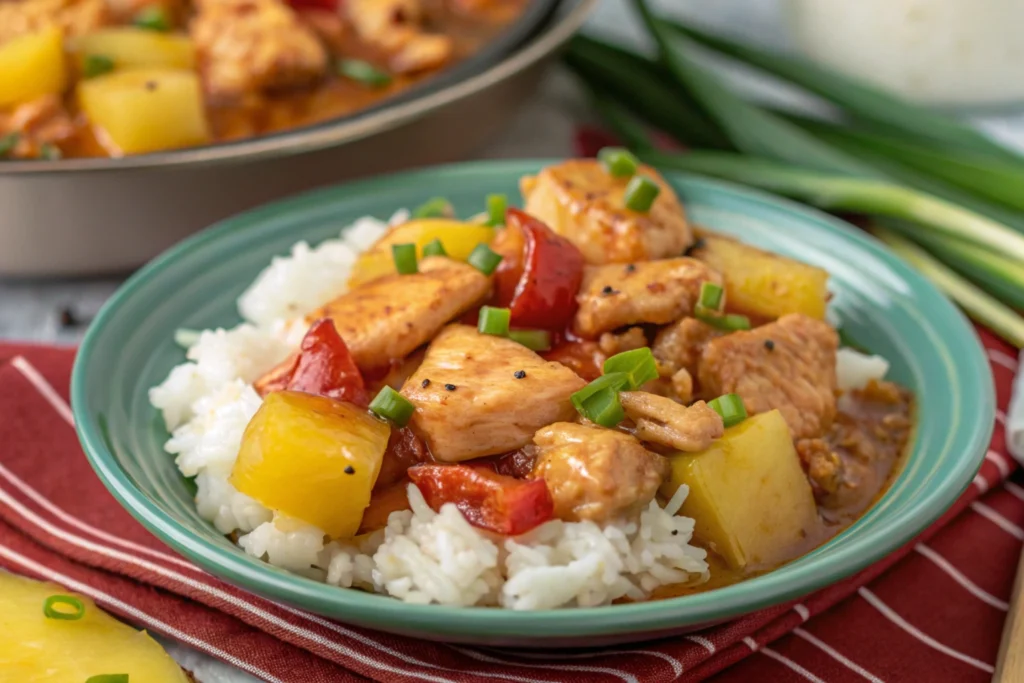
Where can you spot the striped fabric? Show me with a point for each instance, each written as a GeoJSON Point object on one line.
{"type": "Point", "coordinates": [933, 611]}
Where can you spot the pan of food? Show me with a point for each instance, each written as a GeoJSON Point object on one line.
{"type": "Point", "coordinates": [126, 126]}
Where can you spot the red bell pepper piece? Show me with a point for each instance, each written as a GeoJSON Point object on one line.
{"type": "Point", "coordinates": [323, 366]}
{"type": "Point", "coordinates": [540, 287]}
{"type": "Point", "coordinates": [488, 500]}
{"type": "Point", "coordinates": [329, 5]}
{"type": "Point", "coordinates": [585, 358]}
{"type": "Point", "coordinates": [404, 450]}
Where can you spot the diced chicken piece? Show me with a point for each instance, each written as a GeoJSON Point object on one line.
{"type": "Point", "coordinates": [682, 385]}
{"type": "Point", "coordinates": [76, 17]}
{"type": "Point", "coordinates": [395, 26]}
{"type": "Point", "coordinates": [679, 346]}
{"type": "Point", "coordinates": [252, 46]}
{"type": "Point", "coordinates": [823, 466]}
{"type": "Point", "coordinates": [633, 338]}
{"type": "Point", "coordinates": [329, 26]}
{"type": "Point", "coordinates": [386, 319]}
{"type": "Point", "coordinates": [43, 121]}
{"type": "Point", "coordinates": [664, 422]}
{"type": "Point", "coordinates": [657, 292]}
{"type": "Point", "coordinates": [596, 474]}
{"type": "Point", "coordinates": [478, 394]}
{"type": "Point", "coordinates": [789, 364]}
{"type": "Point", "coordinates": [586, 204]}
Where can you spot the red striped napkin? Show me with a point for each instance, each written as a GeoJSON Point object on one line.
{"type": "Point", "coordinates": [933, 611]}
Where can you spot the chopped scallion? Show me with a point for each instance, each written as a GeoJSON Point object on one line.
{"type": "Point", "coordinates": [66, 607]}
{"type": "Point", "coordinates": [638, 365]}
{"type": "Point", "coordinates": [153, 18]}
{"type": "Point", "coordinates": [438, 207]}
{"type": "Point", "coordinates": [535, 340]}
{"type": "Point", "coordinates": [494, 321]}
{"type": "Point", "coordinates": [391, 405]}
{"type": "Point", "coordinates": [186, 338]}
{"type": "Point", "coordinates": [641, 193]}
{"type": "Point", "coordinates": [405, 258]}
{"type": "Point", "coordinates": [618, 162]}
{"type": "Point", "coordinates": [603, 408]}
{"type": "Point", "coordinates": [49, 152]}
{"type": "Point", "coordinates": [8, 143]}
{"type": "Point", "coordinates": [434, 248]}
{"type": "Point", "coordinates": [711, 296]}
{"type": "Point", "coordinates": [364, 72]}
{"type": "Point", "coordinates": [96, 65]}
{"type": "Point", "coordinates": [484, 259]}
{"type": "Point", "coordinates": [108, 678]}
{"type": "Point", "coordinates": [730, 407]}
{"type": "Point", "coordinates": [616, 381]}
{"type": "Point", "coordinates": [497, 205]}
{"type": "Point", "coordinates": [730, 322]}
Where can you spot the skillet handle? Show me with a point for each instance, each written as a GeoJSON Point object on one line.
{"type": "Point", "coordinates": [1010, 664]}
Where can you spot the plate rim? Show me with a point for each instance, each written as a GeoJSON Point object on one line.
{"type": "Point", "coordinates": [453, 623]}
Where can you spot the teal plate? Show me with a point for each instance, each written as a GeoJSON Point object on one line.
{"type": "Point", "coordinates": [883, 304]}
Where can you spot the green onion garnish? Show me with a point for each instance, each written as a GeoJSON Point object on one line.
{"type": "Point", "coordinates": [434, 248]}
{"type": "Point", "coordinates": [364, 72]}
{"type": "Point", "coordinates": [484, 259]}
{"type": "Point", "coordinates": [153, 19]}
{"type": "Point", "coordinates": [730, 407]}
{"type": "Point", "coordinates": [638, 365]}
{"type": "Point", "coordinates": [603, 408]}
{"type": "Point", "coordinates": [731, 322]}
{"type": "Point", "coordinates": [405, 258]}
{"type": "Point", "coordinates": [108, 678]}
{"type": "Point", "coordinates": [711, 296]}
{"type": "Point", "coordinates": [392, 406]}
{"type": "Point", "coordinates": [641, 193]}
{"type": "Point", "coordinates": [535, 340]}
{"type": "Point", "coordinates": [186, 338]}
{"type": "Point", "coordinates": [71, 608]}
{"type": "Point", "coordinates": [49, 152]}
{"type": "Point", "coordinates": [8, 143]}
{"type": "Point", "coordinates": [618, 162]}
{"type": "Point", "coordinates": [438, 207]}
{"type": "Point", "coordinates": [615, 381]}
{"type": "Point", "coordinates": [497, 204]}
{"type": "Point", "coordinates": [494, 321]}
{"type": "Point", "coordinates": [96, 65]}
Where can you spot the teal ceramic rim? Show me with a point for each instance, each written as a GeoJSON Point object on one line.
{"type": "Point", "coordinates": [970, 372]}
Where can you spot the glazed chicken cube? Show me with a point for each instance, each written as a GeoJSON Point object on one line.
{"type": "Point", "coordinates": [657, 292]}
{"type": "Point", "coordinates": [679, 346]}
{"type": "Point", "coordinates": [386, 319]}
{"type": "Point", "coordinates": [253, 46]}
{"type": "Point", "coordinates": [789, 364]}
{"type": "Point", "coordinates": [395, 26]}
{"type": "Point", "coordinates": [586, 204]}
{"type": "Point", "coordinates": [596, 474]}
{"type": "Point", "coordinates": [75, 17]}
{"type": "Point", "coordinates": [478, 395]}
{"type": "Point", "coordinates": [662, 421]}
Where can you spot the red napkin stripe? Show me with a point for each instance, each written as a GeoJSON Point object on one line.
{"type": "Point", "coordinates": [102, 542]}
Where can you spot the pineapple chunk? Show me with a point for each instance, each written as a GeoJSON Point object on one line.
{"type": "Point", "coordinates": [35, 648]}
{"type": "Point", "coordinates": [136, 47]}
{"type": "Point", "coordinates": [145, 110]}
{"type": "Point", "coordinates": [748, 494]}
{"type": "Point", "coordinates": [31, 66]}
{"type": "Point", "coordinates": [764, 284]}
{"type": "Point", "coordinates": [312, 458]}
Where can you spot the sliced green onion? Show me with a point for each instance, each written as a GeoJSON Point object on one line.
{"type": "Point", "coordinates": [535, 340]}
{"type": "Point", "coordinates": [8, 143]}
{"type": "Point", "coordinates": [484, 259]}
{"type": "Point", "coordinates": [391, 405]}
{"type": "Point", "coordinates": [49, 152]}
{"type": "Point", "coordinates": [494, 321]}
{"type": "Point", "coordinates": [434, 248]}
{"type": "Point", "coordinates": [153, 19]}
{"type": "Point", "coordinates": [96, 65]}
{"type": "Point", "coordinates": [619, 162]}
{"type": "Point", "coordinates": [638, 365]}
{"type": "Point", "coordinates": [186, 338]}
{"type": "Point", "coordinates": [497, 205]}
{"type": "Point", "coordinates": [108, 678]}
{"type": "Point", "coordinates": [711, 296]}
{"type": "Point", "coordinates": [731, 322]}
{"type": "Point", "coordinates": [730, 407]}
{"type": "Point", "coordinates": [405, 258]}
{"type": "Point", "coordinates": [438, 207]}
{"type": "Point", "coordinates": [616, 381]}
{"type": "Point", "coordinates": [364, 72]}
{"type": "Point", "coordinates": [603, 408]}
{"type": "Point", "coordinates": [641, 193]}
{"type": "Point", "coordinates": [66, 607]}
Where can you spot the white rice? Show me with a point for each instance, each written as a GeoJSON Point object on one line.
{"type": "Point", "coordinates": [421, 556]}
{"type": "Point", "coordinates": [855, 369]}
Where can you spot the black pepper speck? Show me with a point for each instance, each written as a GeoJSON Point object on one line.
{"type": "Point", "coordinates": [698, 244]}
{"type": "Point", "coordinates": [425, 383]}
{"type": "Point", "coordinates": [450, 387]}
{"type": "Point", "coordinates": [769, 344]}
{"type": "Point", "coordinates": [675, 532]}
{"type": "Point", "coordinates": [631, 268]}
{"type": "Point", "coordinates": [520, 374]}
{"type": "Point", "coordinates": [350, 470]}
{"type": "Point", "coordinates": [608, 290]}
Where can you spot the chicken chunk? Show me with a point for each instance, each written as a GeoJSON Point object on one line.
{"type": "Point", "coordinates": [678, 347]}
{"type": "Point", "coordinates": [76, 17]}
{"type": "Point", "coordinates": [43, 121]}
{"type": "Point", "coordinates": [789, 364]}
{"type": "Point", "coordinates": [387, 318]}
{"type": "Point", "coordinates": [478, 394]}
{"type": "Point", "coordinates": [395, 26]}
{"type": "Point", "coordinates": [656, 292]}
{"type": "Point", "coordinates": [611, 343]}
{"type": "Point", "coordinates": [662, 421]}
{"type": "Point", "coordinates": [253, 46]}
{"type": "Point", "coordinates": [596, 474]}
{"type": "Point", "coordinates": [583, 202]}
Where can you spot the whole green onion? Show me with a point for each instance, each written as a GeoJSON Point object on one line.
{"type": "Point", "coordinates": [497, 205]}
{"type": "Point", "coordinates": [434, 248]}
{"type": "Point", "coordinates": [63, 607]}
{"type": "Point", "coordinates": [153, 18]}
{"type": "Point", "coordinates": [711, 296]}
{"type": "Point", "coordinates": [638, 365]}
{"type": "Point", "coordinates": [641, 193]}
{"type": "Point", "coordinates": [730, 407]}
{"type": "Point", "coordinates": [391, 405]}
{"type": "Point", "coordinates": [363, 72]}
{"type": "Point", "coordinates": [438, 207]}
{"type": "Point", "coordinates": [603, 408]}
{"type": "Point", "coordinates": [484, 259]}
{"type": "Point", "coordinates": [96, 65]}
{"type": "Point", "coordinates": [618, 162]}
{"type": "Point", "coordinates": [535, 340]}
{"type": "Point", "coordinates": [494, 321]}
{"type": "Point", "coordinates": [405, 258]}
